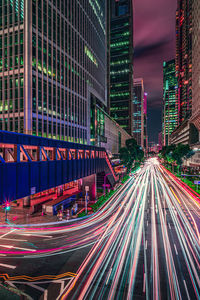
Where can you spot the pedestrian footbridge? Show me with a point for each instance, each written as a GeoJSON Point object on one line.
{"type": "Point", "coordinates": [31, 164]}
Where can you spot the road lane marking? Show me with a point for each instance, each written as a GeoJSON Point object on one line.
{"type": "Point", "coordinates": [38, 278]}
{"type": "Point", "coordinates": [8, 266]}
{"type": "Point", "coordinates": [45, 292]}
{"type": "Point", "coordinates": [7, 239]}
{"type": "Point", "coordinates": [175, 249]}
{"type": "Point", "coordinates": [175, 196]}
{"type": "Point", "coordinates": [62, 285]}
{"type": "Point", "coordinates": [144, 285]}
{"type": "Point", "coordinates": [109, 275]}
{"type": "Point", "coordinates": [11, 247]}
{"type": "Point", "coordinates": [7, 233]}
{"type": "Point", "coordinates": [146, 245]}
{"type": "Point", "coordinates": [188, 296]}
{"type": "Point", "coordinates": [147, 223]}
{"type": "Point", "coordinates": [11, 284]}
{"type": "Point", "coordinates": [36, 287]}
{"type": "Point", "coordinates": [38, 235]}
{"type": "Point", "coordinates": [41, 282]}
{"type": "Point", "coordinates": [6, 246]}
{"type": "Point", "coordinates": [169, 226]}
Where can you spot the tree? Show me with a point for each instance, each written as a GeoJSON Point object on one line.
{"type": "Point", "coordinates": [124, 155]}
{"type": "Point", "coordinates": [176, 153]}
{"type": "Point", "coordinates": [130, 153]}
{"type": "Point", "coordinates": [182, 152]}
{"type": "Point", "coordinates": [140, 155]}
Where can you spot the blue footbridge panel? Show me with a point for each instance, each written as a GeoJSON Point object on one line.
{"type": "Point", "coordinates": [30, 164]}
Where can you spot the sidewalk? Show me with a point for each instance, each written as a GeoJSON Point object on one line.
{"type": "Point", "coordinates": [19, 215]}
{"type": "Point", "coordinates": [23, 216]}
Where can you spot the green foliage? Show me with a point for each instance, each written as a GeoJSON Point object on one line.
{"type": "Point", "coordinates": [176, 153]}
{"type": "Point", "coordinates": [189, 181]}
{"type": "Point", "coordinates": [82, 214]}
{"type": "Point", "coordinates": [140, 155]}
{"type": "Point", "coordinates": [125, 178]}
{"type": "Point", "coordinates": [131, 143]}
{"type": "Point", "coordinates": [124, 155]}
{"type": "Point", "coordinates": [102, 200]}
{"type": "Point", "coordinates": [131, 153]}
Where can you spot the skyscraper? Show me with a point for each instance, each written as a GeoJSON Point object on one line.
{"type": "Point", "coordinates": [196, 66]}
{"type": "Point", "coordinates": [52, 64]}
{"type": "Point", "coordinates": [139, 107]}
{"type": "Point", "coordinates": [120, 62]}
{"type": "Point", "coordinates": [170, 106]}
{"type": "Point", "coordinates": [145, 123]}
{"type": "Point", "coordinates": [184, 58]}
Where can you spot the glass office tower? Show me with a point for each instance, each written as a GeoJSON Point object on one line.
{"type": "Point", "coordinates": [170, 104]}
{"type": "Point", "coordinates": [184, 58]}
{"type": "Point", "coordinates": [52, 60]}
{"type": "Point", "coordinates": [196, 66]}
{"type": "Point", "coordinates": [139, 109]}
{"type": "Point", "coordinates": [120, 62]}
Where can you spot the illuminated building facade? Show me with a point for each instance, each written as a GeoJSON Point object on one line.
{"type": "Point", "coordinates": [145, 124]}
{"type": "Point", "coordinates": [139, 108]}
{"type": "Point", "coordinates": [52, 62]}
{"type": "Point", "coordinates": [184, 58]}
{"type": "Point", "coordinates": [170, 106]}
{"type": "Point", "coordinates": [160, 140]}
{"type": "Point", "coordinates": [195, 119]}
{"type": "Point", "coordinates": [120, 62]}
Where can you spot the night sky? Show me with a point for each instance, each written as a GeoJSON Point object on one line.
{"type": "Point", "coordinates": [154, 42]}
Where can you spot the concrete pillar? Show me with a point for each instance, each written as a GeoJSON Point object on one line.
{"type": "Point", "coordinates": [90, 181]}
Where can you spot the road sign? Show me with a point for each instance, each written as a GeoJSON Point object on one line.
{"type": "Point", "coordinates": [196, 182]}
{"type": "Point", "coordinates": [33, 190]}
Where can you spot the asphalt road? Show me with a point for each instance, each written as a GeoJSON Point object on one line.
{"type": "Point", "coordinates": [143, 244]}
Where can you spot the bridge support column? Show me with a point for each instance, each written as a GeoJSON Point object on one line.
{"type": "Point", "coordinates": [90, 181]}
{"type": "Point", "coordinates": [26, 201]}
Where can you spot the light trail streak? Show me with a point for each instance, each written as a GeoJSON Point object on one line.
{"type": "Point", "coordinates": [187, 238]}
{"type": "Point", "coordinates": [155, 262]}
{"type": "Point", "coordinates": [171, 270]}
{"type": "Point", "coordinates": [111, 242]}
{"type": "Point", "coordinates": [150, 214]}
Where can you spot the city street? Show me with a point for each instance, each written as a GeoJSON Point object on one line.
{"type": "Point", "coordinates": [143, 244]}
{"type": "Point", "coordinates": [100, 150]}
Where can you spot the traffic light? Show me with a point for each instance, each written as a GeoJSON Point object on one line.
{"type": "Point", "coordinates": [7, 206]}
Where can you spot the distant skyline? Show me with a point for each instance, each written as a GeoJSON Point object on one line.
{"type": "Point", "coordinates": [154, 43]}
